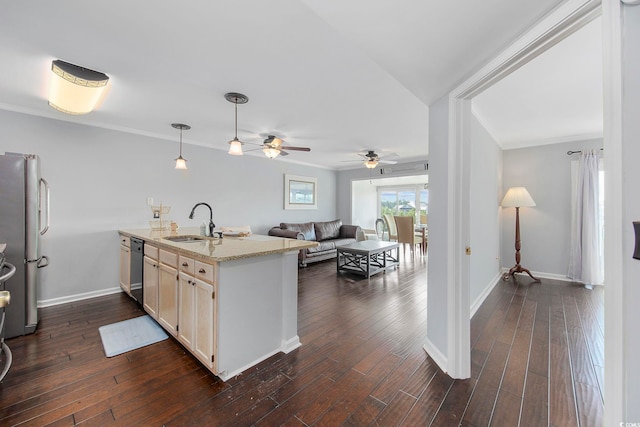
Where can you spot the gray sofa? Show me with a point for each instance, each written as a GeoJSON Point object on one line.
{"type": "Point", "coordinates": [328, 234]}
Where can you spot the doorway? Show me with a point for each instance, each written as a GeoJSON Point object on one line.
{"type": "Point", "coordinates": [553, 28]}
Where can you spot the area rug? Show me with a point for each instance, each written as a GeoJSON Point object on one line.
{"type": "Point", "coordinates": [121, 337]}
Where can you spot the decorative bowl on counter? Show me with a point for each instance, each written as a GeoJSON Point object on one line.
{"type": "Point", "coordinates": [160, 224]}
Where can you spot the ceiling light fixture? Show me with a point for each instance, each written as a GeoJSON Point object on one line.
{"type": "Point", "coordinates": [181, 162]}
{"type": "Point", "coordinates": [74, 89]}
{"type": "Point", "coordinates": [371, 163]}
{"type": "Point", "coordinates": [271, 153]}
{"type": "Point", "coordinates": [235, 148]}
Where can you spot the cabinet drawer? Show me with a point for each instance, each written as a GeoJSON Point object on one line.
{"type": "Point", "coordinates": [204, 271]}
{"type": "Point", "coordinates": [125, 241]}
{"type": "Point", "coordinates": [151, 251]}
{"type": "Point", "coordinates": [187, 265]}
{"type": "Point", "coordinates": [169, 258]}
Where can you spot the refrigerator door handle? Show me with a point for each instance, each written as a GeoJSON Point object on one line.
{"type": "Point", "coordinates": [42, 259]}
{"type": "Point", "coordinates": [46, 201]}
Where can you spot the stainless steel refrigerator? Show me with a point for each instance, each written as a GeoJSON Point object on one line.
{"type": "Point", "coordinates": [24, 217]}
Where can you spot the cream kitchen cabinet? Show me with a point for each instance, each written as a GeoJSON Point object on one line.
{"type": "Point", "coordinates": [230, 302]}
{"type": "Point", "coordinates": [168, 291]}
{"type": "Point", "coordinates": [150, 278]}
{"type": "Point", "coordinates": [197, 317]}
{"type": "Point", "coordinates": [125, 264]}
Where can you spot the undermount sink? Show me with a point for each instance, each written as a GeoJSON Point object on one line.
{"type": "Point", "coordinates": [184, 239]}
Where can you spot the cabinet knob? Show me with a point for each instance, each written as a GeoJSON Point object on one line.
{"type": "Point", "coordinates": [201, 270]}
{"type": "Point", "coordinates": [185, 264]}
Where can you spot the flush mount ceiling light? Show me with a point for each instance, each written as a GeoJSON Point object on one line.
{"type": "Point", "coordinates": [74, 89]}
{"type": "Point", "coordinates": [235, 148]}
{"type": "Point", "coordinates": [181, 162]}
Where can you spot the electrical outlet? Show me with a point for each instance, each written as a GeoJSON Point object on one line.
{"type": "Point", "coordinates": [149, 201]}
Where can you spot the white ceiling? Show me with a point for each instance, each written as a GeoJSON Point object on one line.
{"type": "Point", "coordinates": [337, 76]}
{"type": "Point", "coordinates": [557, 97]}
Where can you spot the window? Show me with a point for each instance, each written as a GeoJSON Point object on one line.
{"type": "Point", "coordinates": [403, 201]}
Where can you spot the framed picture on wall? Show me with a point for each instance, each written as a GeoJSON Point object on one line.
{"type": "Point", "coordinates": [300, 192]}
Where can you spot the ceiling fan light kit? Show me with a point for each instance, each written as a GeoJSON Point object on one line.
{"type": "Point", "coordinates": [371, 164]}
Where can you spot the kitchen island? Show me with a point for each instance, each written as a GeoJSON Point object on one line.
{"type": "Point", "coordinates": [231, 301]}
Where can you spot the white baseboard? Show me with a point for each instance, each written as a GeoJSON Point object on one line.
{"type": "Point", "coordinates": [78, 297]}
{"type": "Point", "coordinates": [436, 355]}
{"type": "Point", "coordinates": [291, 344]}
{"type": "Point", "coordinates": [487, 290]}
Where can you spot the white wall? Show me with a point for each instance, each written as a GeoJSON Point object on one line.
{"type": "Point", "coordinates": [365, 207]}
{"type": "Point", "coordinates": [631, 177]}
{"type": "Point", "coordinates": [100, 180]}
{"type": "Point", "coordinates": [545, 230]}
{"type": "Point", "coordinates": [437, 304]}
{"type": "Point", "coordinates": [485, 197]}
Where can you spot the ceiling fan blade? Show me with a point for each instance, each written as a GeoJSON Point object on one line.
{"type": "Point", "coordinates": [295, 148]}
{"type": "Point", "coordinates": [283, 153]}
{"type": "Point", "coordinates": [389, 162]}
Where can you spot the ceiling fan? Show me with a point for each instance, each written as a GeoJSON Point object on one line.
{"type": "Point", "coordinates": [273, 147]}
{"type": "Point", "coordinates": [371, 159]}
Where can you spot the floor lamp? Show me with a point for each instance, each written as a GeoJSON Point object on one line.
{"type": "Point", "coordinates": [517, 197]}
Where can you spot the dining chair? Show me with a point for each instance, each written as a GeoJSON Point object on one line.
{"type": "Point", "coordinates": [406, 232]}
{"type": "Point", "coordinates": [391, 226]}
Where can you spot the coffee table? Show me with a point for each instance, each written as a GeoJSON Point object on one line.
{"type": "Point", "coordinates": [367, 257]}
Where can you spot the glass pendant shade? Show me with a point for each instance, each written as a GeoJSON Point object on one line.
{"type": "Point", "coordinates": [181, 163]}
{"type": "Point", "coordinates": [235, 147]}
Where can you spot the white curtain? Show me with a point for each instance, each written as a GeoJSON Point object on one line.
{"type": "Point", "coordinates": [585, 260]}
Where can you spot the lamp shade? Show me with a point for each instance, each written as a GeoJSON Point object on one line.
{"type": "Point", "coordinates": [181, 163]}
{"type": "Point", "coordinates": [235, 147]}
{"type": "Point", "coordinates": [517, 197]}
{"type": "Point", "coordinates": [74, 89]}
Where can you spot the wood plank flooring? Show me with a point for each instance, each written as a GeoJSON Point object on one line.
{"type": "Point", "coordinates": [537, 359]}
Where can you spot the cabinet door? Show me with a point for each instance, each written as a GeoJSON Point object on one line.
{"type": "Point", "coordinates": [150, 286]}
{"type": "Point", "coordinates": [204, 304]}
{"type": "Point", "coordinates": [168, 298]}
{"type": "Point", "coordinates": [125, 269]}
{"type": "Point", "coordinates": [186, 314]}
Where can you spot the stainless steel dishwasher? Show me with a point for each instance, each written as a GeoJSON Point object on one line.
{"type": "Point", "coordinates": [137, 261]}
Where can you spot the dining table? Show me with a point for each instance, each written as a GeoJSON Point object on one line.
{"type": "Point", "coordinates": [423, 230]}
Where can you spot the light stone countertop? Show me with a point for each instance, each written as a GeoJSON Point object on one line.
{"type": "Point", "coordinates": [214, 249]}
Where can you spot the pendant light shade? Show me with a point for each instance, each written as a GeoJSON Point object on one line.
{"type": "Point", "coordinates": [181, 162]}
{"type": "Point", "coordinates": [74, 89]}
{"type": "Point", "coordinates": [235, 145]}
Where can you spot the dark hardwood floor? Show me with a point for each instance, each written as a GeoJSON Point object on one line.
{"type": "Point", "coordinates": [537, 359]}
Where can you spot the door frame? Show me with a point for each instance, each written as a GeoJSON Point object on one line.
{"type": "Point", "coordinates": [563, 21]}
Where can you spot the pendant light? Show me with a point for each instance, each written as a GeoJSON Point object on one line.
{"type": "Point", "coordinates": [235, 148]}
{"type": "Point", "coordinates": [181, 162]}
